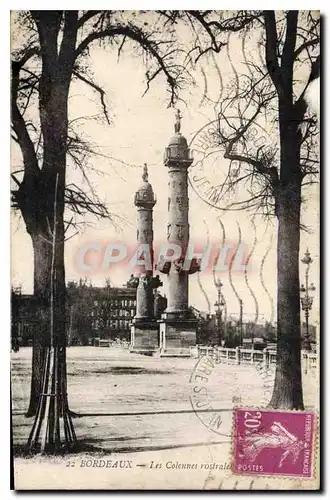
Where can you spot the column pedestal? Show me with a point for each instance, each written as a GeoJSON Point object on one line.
{"type": "Point", "coordinates": [177, 335]}
{"type": "Point", "coordinates": [144, 337]}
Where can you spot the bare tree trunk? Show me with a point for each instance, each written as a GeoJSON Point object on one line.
{"type": "Point", "coordinates": [287, 391]}
{"type": "Point", "coordinates": [53, 430]}
{"type": "Point", "coordinates": [42, 250]}
{"type": "Point", "coordinates": [54, 85]}
{"type": "Point", "coordinates": [42, 260]}
{"type": "Point", "coordinates": [288, 385]}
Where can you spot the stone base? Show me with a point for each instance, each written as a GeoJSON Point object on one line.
{"type": "Point", "coordinates": [177, 336]}
{"type": "Point", "coordinates": [144, 337]}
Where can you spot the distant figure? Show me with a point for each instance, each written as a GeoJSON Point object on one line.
{"type": "Point", "coordinates": [15, 344]}
{"type": "Point", "coordinates": [132, 282]}
{"type": "Point", "coordinates": [160, 304]}
{"type": "Point", "coordinates": [177, 125]}
{"type": "Point", "coordinates": [156, 282]}
{"type": "Point", "coordinates": [145, 173]}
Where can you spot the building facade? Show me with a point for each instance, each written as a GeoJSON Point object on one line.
{"type": "Point", "coordinates": [107, 313]}
{"type": "Point", "coordinates": [99, 312]}
{"type": "Point", "coordinates": [92, 312]}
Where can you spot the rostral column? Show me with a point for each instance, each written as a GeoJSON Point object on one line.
{"type": "Point", "coordinates": [144, 328]}
{"type": "Point", "coordinates": [178, 325]}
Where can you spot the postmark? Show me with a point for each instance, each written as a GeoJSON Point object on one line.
{"type": "Point", "coordinates": [215, 179]}
{"type": "Point", "coordinates": [201, 398]}
{"type": "Point", "coordinates": [273, 443]}
{"type": "Point", "coordinates": [215, 390]}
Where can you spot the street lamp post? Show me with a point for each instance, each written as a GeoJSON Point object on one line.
{"type": "Point", "coordinates": [241, 321]}
{"type": "Point", "coordinates": [307, 298]}
{"type": "Point", "coordinates": [219, 305]}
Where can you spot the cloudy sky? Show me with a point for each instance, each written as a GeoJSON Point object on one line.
{"type": "Point", "coordinates": [140, 130]}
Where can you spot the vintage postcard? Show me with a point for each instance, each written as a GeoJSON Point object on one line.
{"type": "Point", "coordinates": [165, 250]}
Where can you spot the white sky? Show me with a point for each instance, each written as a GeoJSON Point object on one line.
{"type": "Point", "coordinates": [139, 133]}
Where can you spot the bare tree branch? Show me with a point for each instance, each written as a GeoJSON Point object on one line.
{"type": "Point", "coordinates": [19, 125]}
{"type": "Point", "coordinates": [272, 64]}
{"type": "Point", "coordinates": [144, 40]}
{"type": "Point", "coordinates": [287, 58]}
{"type": "Point", "coordinates": [304, 46]}
{"type": "Point", "coordinates": [86, 17]}
{"type": "Point", "coordinates": [98, 89]}
{"type": "Point", "coordinates": [215, 46]}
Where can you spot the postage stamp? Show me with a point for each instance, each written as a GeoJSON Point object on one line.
{"type": "Point", "coordinates": [170, 279]}
{"type": "Point", "coordinates": [273, 442]}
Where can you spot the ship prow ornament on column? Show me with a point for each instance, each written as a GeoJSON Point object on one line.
{"type": "Point", "coordinates": [178, 326]}
{"type": "Point", "coordinates": [144, 327]}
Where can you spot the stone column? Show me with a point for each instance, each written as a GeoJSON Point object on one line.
{"type": "Point", "coordinates": [144, 328]}
{"type": "Point", "coordinates": [178, 233]}
{"type": "Point", "coordinates": [144, 292]}
{"type": "Point", "coordinates": [177, 327]}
